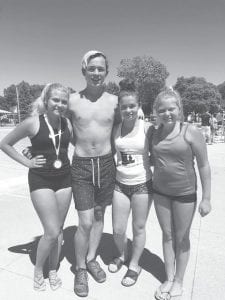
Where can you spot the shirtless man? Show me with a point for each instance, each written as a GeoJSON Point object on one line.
{"type": "Point", "coordinates": [93, 170]}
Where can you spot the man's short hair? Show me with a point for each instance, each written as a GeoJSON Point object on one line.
{"type": "Point", "coordinates": [90, 55]}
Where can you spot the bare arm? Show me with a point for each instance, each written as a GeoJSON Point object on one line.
{"type": "Point", "coordinates": [72, 133]}
{"type": "Point", "coordinates": [117, 118]}
{"type": "Point", "coordinates": [113, 134]}
{"type": "Point", "coordinates": [198, 145]}
{"type": "Point", "coordinates": [25, 129]}
{"type": "Point", "coordinates": [149, 128]}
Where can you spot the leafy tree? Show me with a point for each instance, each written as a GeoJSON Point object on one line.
{"type": "Point", "coordinates": [198, 95]}
{"type": "Point", "coordinates": [112, 88]}
{"type": "Point", "coordinates": [149, 75]}
{"type": "Point", "coordinates": [3, 103]}
{"type": "Point", "coordinates": [35, 90]}
{"type": "Point", "coordinates": [26, 95]}
{"type": "Point", "coordinates": [221, 88]}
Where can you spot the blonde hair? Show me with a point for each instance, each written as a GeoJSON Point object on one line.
{"type": "Point", "coordinates": [166, 94]}
{"type": "Point", "coordinates": [90, 55]}
{"type": "Point", "coordinates": [39, 106]}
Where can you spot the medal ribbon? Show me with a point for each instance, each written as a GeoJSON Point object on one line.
{"type": "Point", "coordinates": [53, 135]}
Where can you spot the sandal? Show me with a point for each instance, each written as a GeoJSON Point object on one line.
{"type": "Point", "coordinates": [115, 265]}
{"type": "Point", "coordinates": [163, 294]}
{"type": "Point", "coordinates": [54, 281]}
{"type": "Point", "coordinates": [39, 283]}
{"type": "Point", "coordinates": [132, 277]}
{"type": "Point", "coordinates": [175, 296]}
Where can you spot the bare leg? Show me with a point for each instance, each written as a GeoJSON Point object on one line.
{"type": "Point", "coordinates": [120, 213]}
{"type": "Point", "coordinates": [183, 214]}
{"type": "Point", "coordinates": [164, 215]}
{"type": "Point", "coordinates": [96, 232]}
{"type": "Point", "coordinates": [82, 237]}
{"type": "Point", "coordinates": [63, 199]}
{"type": "Point", "coordinates": [44, 202]}
{"type": "Point", "coordinates": [140, 204]}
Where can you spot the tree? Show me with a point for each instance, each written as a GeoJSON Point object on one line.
{"type": "Point", "coordinates": [149, 75]}
{"type": "Point", "coordinates": [112, 88]}
{"type": "Point", "coordinates": [3, 103]}
{"type": "Point", "coordinates": [26, 95]}
{"type": "Point", "coordinates": [221, 88]}
{"type": "Point", "coordinates": [198, 95]}
{"type": "Point", "coordinates": [35, 90]}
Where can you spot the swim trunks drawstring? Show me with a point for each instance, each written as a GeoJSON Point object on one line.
{"type": "Point", "coordinates": [93, 171]}
{"type": "Point", "coordinates": [98, 173]}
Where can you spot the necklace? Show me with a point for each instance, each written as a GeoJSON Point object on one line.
{"type": "Point", "coordinates": [57, 164]}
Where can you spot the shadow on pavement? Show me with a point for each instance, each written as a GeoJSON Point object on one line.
{"type": "Point", "coordinates": [107, 250]}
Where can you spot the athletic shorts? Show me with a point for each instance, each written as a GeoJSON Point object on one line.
{"type": "Point", "coordinates": [130, 190]}
{"type": "Point", "coordinates": [184, 198]}
{"type": "Point", "coordinates": [93, 181]}
{"type": "Point", "coordinates": [55, 183]}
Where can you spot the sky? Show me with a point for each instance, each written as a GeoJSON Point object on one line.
{"type": "Point", "coordinates": [44, 41]}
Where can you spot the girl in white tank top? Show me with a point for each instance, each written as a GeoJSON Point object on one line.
{"type": "Point", "coordinates": [133, 188]}
{"type": "Point", "coordinates": [132, 154]}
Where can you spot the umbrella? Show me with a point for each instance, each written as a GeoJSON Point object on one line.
{"type": "Point", "coordinates": [2, 111]}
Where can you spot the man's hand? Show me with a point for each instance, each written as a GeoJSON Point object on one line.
{"type": "Point", "coordinates": [27, 152]}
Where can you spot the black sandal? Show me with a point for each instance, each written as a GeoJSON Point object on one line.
{"type": "Point", "coordinates": [133, 275]}
{"type": "Point", "coordinates": [115, 265]}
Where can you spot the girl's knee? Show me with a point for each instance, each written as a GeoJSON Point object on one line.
{"type": "Point", "coordinates": [183, 242]}
{"type": "Point", "coordinates": [52, 235]}
{"type": "Point", "coordinates": [119, 230]}
{"type": "Point", "coordinates": [138, 228]}
{"type": "Point", "coordinates": [167, 235]}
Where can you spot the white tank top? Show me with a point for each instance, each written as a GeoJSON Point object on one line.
{"type": "Point", "coordinates": [132, 151]}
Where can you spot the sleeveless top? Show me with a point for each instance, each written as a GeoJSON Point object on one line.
{"type": "Point", "coordinates": [133, 163]}
{"type": "Point", "coordinates": [174, 173]}
{"type": "Point", "coordinates": [42, 145]}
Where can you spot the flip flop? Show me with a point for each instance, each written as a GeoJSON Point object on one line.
{"type": "Point", "coordinates": [174, 296]}
{"type": "Point", "coordinates": [115, 265]}
{"type": "Point", "coordinates": [162, 295]}
{"type": "Point", "coordinates": [133, 275]}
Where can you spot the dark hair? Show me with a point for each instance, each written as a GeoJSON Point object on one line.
{"type": "Point", "coordinates": [127, 88]}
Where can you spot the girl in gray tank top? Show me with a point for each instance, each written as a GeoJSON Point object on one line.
{"type": "Point", "coordinates": [174, 147]}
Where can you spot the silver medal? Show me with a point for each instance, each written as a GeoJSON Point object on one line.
{"type": "Point", "coordinates": [57, 164]}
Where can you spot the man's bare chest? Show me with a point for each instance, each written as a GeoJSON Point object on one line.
{"type": "Point", "coordinates": [89, 112]}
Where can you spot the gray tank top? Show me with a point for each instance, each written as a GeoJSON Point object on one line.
{"type": "Point", "coordinates": [174, 173]}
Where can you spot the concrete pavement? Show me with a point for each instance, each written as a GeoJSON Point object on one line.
{"type": "Point", "coordinates": [20, 230]}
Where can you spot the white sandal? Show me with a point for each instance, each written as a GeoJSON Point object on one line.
{"type": "Point", "coordinates": [54, 281]}
{"type": "Point", "coordinates": [39, 283]}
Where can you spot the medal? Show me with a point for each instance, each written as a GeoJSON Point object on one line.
{"type": "Point", "coordinates": [57, 164]}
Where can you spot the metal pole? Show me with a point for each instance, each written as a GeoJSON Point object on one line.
{"type": "Point", "coordinates": [18, 103]}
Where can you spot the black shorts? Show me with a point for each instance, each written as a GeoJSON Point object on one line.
{"type": "Point", "coordinates": [93, 181]}
{"type": "Point", "coordinates": [184, 198]}
{"type": "Point", "coordinates": [130, 190]}
{"type": "Point", "coordinates": [54, 183]}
